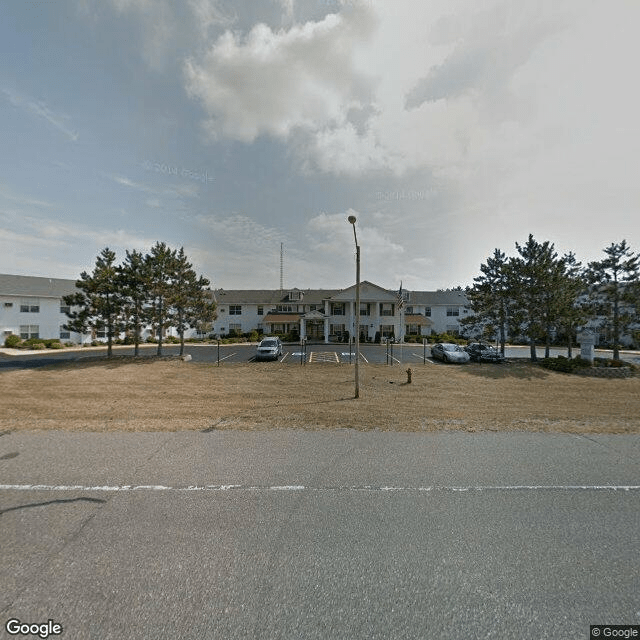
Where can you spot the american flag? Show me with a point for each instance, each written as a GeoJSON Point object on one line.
{"type": "Point", "coordinates": [400, 298]}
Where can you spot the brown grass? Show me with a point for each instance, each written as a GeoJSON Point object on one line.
{"type": "Point", "coordinates": [149, 395]}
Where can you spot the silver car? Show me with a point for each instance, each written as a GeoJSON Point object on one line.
{"type": "Point", "coordinates": [269, 349]}
{"type": "Point", "coordinates": [448, 352]}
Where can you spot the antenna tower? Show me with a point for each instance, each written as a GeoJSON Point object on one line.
{"type": "Point", "coordinates": [281, 266]}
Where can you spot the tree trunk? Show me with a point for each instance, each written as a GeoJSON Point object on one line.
{"type": "Point", "coordinates": [160, 329]}
{"type": "Point", "coordinates": [532, 346]}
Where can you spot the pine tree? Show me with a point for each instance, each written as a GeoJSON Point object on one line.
{"type": "Point", "coordinates": [97, 305]}
{"type": "Point", "coordinates": [531, 281]}
{"type": "Point", "coordinates": [160, 265]}
{"type": "Point", "coordinates": [614, 282]}
{"type": "Point", "coordinates": [133, 281]}
{"type": "Point", "coordinates": [490, 297]}
{"type": "Point", "coordinates": [190, 301]}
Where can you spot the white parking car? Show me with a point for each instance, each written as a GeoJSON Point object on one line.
{"type": "Point", "coordinates": [448, 352]}
{"type": "Point", "coordinates": [269, 349]}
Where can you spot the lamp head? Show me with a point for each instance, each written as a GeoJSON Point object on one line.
{"type": "Point", "coordinates": [352, 219]}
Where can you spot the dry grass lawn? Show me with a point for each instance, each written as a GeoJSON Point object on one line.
{"type": "Point", "coordinates": [171, 395]}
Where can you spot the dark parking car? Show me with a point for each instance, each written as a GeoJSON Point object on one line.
{"type": "Point", "coordinates": [479, 352]}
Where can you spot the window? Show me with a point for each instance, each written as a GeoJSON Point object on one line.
{"type": "Point", "coordinates": [337, 308]}
{"type": "Point", "coordinates": [453, 311]}
{"type": "Point", "coordinates": [386, 330]}
{"type": "Point", "coordinates": [286, 307]}
{"type": "Point", "coordinates": [427, 312]}
{"type": "Point", "coordinates": [64, 309]}
{"type": "Point", "coordinates": [313, 307]}
{"type": "Point", "coordinates": [235, 310]}
{"type": "Point", "coordinates": [412, 330]}
{"type": "Point", "coordinates": [235, 327]}
{"type": "Point", "coordinates": [408, 309]}
{"type": "Point", "coordinates": [260, 310]}
{"type": "Point", "coordinates": [365, 308]}
{"type": "Point", "coordinates": [386, 309]}
{"type": "Point", "coordinates": [64, 334]}
{"type": "Point", "coordinates": [8, 304]}
{"type": "Point", "coordinates": [336, 329]}
{"type": "Point", "coordinates": [294, 295]}
{"type": "Point", "coordinates": [30, 305]}
{"type": "Point", "coordinates": [29, 331]}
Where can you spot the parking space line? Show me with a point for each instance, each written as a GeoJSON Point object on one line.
{"type": "Point", "coordinates": [229, 356]}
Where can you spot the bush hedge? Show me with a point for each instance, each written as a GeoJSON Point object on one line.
{"type": "Point", "coordinates": [12, 341]}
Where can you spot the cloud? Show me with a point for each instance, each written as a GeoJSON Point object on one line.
{"type": "Point", "coordinates": [292, 84]}
{"type": "Point", "coordinates": [490, 47]}
{"type": "Point", "coordinates": [41, 110]}
{"type": "Point", "coordinates": [179, 191]}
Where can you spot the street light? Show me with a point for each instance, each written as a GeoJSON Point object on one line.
{"type": "Point", "coordinates": [352, 220]}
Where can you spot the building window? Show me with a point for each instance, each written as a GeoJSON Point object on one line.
{"type": "Point", "coordinates": [408, 310]}
{"type": "Point", "coordinates": [452, 329]}
{"type": "Point", "coordinates": [64, 333]}
{"type": "Point", "coordinates": [29, 331]}
{"type": "Point", "coordinates": [336, 329]}
{"type": "Point", "coordinates": [313, 307]}
{"type": "Point", "coordinates": [8, 304]}
{"type": "Point", "coordinates": [427, 312]}
{"type": "Point", "coordinates": [294, 295]}
{"type": "Point", "coordinates": [30, 306]}
{"type": "Point", "coordinates": [65, 309]}
{"type": "Point", "coordinates": [337, 308]}
{"type": "Point", "coordinates": [235, 327]}
{"type": "Point", "coordinates": [289, 308]}
{"type": "Point", "coordinates": [412, 330]}
{"type": "Point", "coordinates": [260, 310]}
{"type": "Point", "coordinates": [365, 309]}
{"type": "Point", "coordinates": [453, 311]}
{"type": "Point", "coordinates": [386, 309]}
{"type": "Point", "coordinates": [235, 310]}
{"type": "Point", "coordinates": [386, 330]}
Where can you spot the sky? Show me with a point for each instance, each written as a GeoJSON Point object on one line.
{"type": "Point", "coordinates": [448, 128]}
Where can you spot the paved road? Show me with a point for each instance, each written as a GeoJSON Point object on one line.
{"type": "Point", "coordinates": [316, 353]}
{"type": "Point", "coordinates": [342, 534]}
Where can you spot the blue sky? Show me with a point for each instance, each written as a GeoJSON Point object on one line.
{"type": "Point", "coordinates": [447, 127]}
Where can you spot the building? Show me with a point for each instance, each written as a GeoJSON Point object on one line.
{"type": "Point", "coordinates": [32, 307]}
{"type": "Point", "coordinates": [328, 315]}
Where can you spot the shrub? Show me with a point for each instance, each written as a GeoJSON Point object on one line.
{"type": "Point", "coordinates": [55, 345]}
{"type": "Point", "coordinates": [564, 364]}
{"type": "Point", "coordinates": [51, 341]}
{"type": "Point", "coordinates": [12, 341]}
{"type": "Point", "coordinates": [254, 337]}
{"type": "Point", "coordinates": [37, 346]}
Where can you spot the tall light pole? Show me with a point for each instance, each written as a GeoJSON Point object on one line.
{"type": "Point", "coordinates": [352, 220]}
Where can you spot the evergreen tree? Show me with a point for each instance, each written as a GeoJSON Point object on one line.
{"type": "Point", "coordinates": [531, 278]}
{"type": "Point", "coordinates": [490, 297]}
{"type": "Point", "coordinates": [571, 312]}
{"type": "Point", "coordinates": [191, 303]}
{"type": "Point", "coordinates": [133, 282]}
{"type": "Point", "coordinates": [614, 283]}
{"type": "Point", "coordinates": [97, 306]}
{"type": "Point", "coordinates": [160, 266]}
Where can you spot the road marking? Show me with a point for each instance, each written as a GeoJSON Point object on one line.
{"type": "Point", "coordinates": [324, 356]}
{"type": "Point", "coordinates": [229, 356]}
{"type": "Point", "coordinates": [363, 488]}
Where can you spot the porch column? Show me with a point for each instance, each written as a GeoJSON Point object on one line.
{"type": "Point", "coordinates": [303, 328]}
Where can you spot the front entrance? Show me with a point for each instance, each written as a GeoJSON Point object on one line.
{"type": "Point", "coordinates": [315, 329]}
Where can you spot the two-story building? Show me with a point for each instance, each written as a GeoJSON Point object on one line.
{"type": "Point", "coordinates": [33, 307]}
{"type": "Point", "coordinates": [329, 314]}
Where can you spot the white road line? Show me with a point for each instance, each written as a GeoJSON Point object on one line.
{"type": "Point", "coordinates": [284, 357]}
{"type": "Point", "coordinates": [229, 356]}
{"type": "Point", "coordinates": [364, 488]}
{"type": "Point", "coordinates": [364, 358]}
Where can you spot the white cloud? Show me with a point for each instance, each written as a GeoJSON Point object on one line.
{"type": "Point", "coordinates": [41, 110]}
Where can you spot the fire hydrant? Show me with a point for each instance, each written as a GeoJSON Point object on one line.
{"type": "Point", "coordinates": [409, 372]}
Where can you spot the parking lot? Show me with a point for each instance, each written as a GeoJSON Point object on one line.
{"type": "Point", "coordinates": [293, 354]}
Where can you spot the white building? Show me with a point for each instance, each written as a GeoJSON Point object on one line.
{"type": "Point", "coordinates": [32, 307]}
{"type": "Point", "coordinates": [328, 315]}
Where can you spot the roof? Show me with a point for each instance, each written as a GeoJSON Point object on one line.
{"type": "Point", "coordinates": [27, 286]}
{"type": "Point", "coordinates": [281, 317]}
{"type": "Point", "coordinates": [271, 296]}
{"type": "Point", "coordinates": [416, 318]}
{"type": "Point", "coordinates": [437, 297]}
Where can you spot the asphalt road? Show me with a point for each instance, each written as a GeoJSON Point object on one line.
{"type": "Point", "coordinates": [290, 534]}
{"type": "Point", "coordinates": [292, 354]}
